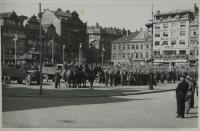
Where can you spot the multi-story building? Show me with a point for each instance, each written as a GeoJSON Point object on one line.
{"type": "Point", "coordinates": [133, 48]}
{"type": "Point", "coordinates": [70, 29]}
{"type": "Point", "coordinates": [101, 37]}
{"type": "Point", "coordinates": [174, 33]}
{"type": "Point", "coordinates": [11, 26]}
{"type": "Point", "coordinates": [194, 37]}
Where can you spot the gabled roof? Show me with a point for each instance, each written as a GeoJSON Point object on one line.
{"type": "Point", "coordinates": [126, 39]}
{"type": "Point", "coordinates": [7, 14]}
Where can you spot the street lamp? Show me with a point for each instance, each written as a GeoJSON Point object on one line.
{"type": "Point", "coordinates": [15, 40]}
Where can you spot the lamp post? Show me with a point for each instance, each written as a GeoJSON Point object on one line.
{"type": "Point", "coordinates": [151, 77]}
{"type": "Point", "coordinates": [40, 49]}
{"type": "Point", "coordinates": [15, 40]}
{"type": "Point", "coordinates": [52, 46]}
{"type": "Point", "coordinates": [63, 53]}
{"type": "Point", "coordinates": [102, 54]}
{"type": "Point", "coordinates": [80, 54]}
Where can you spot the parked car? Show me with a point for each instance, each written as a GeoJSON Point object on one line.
{"type": "Point", "coordinates": [32, 75]}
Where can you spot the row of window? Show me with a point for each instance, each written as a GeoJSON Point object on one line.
{"type": "Point", "coordinates": [173, 42]}
{"type": "Point", "coordinates": [170, 52]}
{"type": "Point", "coordinates": [166, 34]}
{"type": "Point", "coordinates": [173, 24]}
{"type": "Point", "coordinates": [128, 47]}
{"type": "Point", "coordinates": [132, 55]}
{"type": "Point", "coordinates": [11, 30]}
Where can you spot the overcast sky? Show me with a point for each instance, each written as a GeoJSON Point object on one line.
{"type": "Point", "coordinates": [130, 14]}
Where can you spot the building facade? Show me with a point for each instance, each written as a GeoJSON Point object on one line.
{"type": "Point", "coordinates": [194, 38]}
{"type": "Point", "coordinates": [134, 48]}
{"type": "Point", "coordinates": [12, 26]}
{"type": "Point", "coordinates": [171, 37]}
{"type": "Point", "coordinates": [101, 38]}
{"type": "Point", "coordinates": [70, 29]}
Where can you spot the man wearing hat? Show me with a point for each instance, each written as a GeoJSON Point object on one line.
{"type": "Point", "coordinates": [181, 91]}
{"type": "Point", "coordinates": [57, 77]}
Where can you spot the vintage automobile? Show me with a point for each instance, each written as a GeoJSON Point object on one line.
{"type": "Point", "coordinates": [13, 73]}
{"type": "Point", "coordinates": [48, 72]}
{"type": "Point", "coordinates": [32, 75]}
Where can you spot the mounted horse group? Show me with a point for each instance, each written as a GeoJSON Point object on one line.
{"type": "Point", "coordinates": [76, 76]}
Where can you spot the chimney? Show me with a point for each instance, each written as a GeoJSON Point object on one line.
{"type": "Point", "coordinates": [59, 9]}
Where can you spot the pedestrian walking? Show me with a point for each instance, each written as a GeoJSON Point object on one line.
{"type": "Point", "coordinates": [57, 78]}
{"type": "Point", "coordinates": [180, 96]}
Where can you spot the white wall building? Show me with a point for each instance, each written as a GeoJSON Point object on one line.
{"type": "Point", "coordinates": [171, 36]}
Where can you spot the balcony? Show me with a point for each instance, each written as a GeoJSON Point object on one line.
{"type": "Point", "coordinates": [170, 57]}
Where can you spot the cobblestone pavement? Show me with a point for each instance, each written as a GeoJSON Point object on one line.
{"type": "Point", "coordinates": [71, 108]}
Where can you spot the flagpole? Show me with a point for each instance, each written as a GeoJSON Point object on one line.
{"type": "Point", "coordinates": [102, 55]}
{"type": "Point", "coordinates": [63, 53]}
{"type": "Point", "coordinates": [15, 51]}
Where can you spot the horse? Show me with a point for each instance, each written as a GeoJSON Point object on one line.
{"type": "Point", "coordinates": [69, 77]}
{"type": "Point", "coordinates": [91, 75]}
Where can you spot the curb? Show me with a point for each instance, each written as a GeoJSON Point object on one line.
{"type": "Point", "coordinates": [46, 96]}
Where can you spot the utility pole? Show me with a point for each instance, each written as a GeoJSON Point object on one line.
{"type": "Point", "coordinates": [151, 77]}
{"type": "Point", "coordinates": [80, 54]}
{"type": "Point", "coordinates": [40, 15]}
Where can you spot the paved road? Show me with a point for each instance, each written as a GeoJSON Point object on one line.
{"type": "Point", "coordinates": [155, 110]}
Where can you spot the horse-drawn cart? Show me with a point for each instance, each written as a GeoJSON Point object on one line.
{"type": "Point", "coordinates": [13, 73]}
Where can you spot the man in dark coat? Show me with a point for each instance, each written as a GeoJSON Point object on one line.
{"type": "Point", "coordinates": [181, 91]}
{"type": "Point", "coordinates": [57, 78]}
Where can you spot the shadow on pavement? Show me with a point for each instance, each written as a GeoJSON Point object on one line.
{"type": "Point", "coordinates": [25, 98]}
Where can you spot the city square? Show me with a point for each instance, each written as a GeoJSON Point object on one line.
{"type": "Point", "coordinates": [96, 64]}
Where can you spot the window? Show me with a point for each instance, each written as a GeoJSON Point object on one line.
{"type": "Point", "coordinates": [194, 33]}
{"type": "Point", "coordinates": [141, 46]}
{"type": "Point", "coordinates": [173, 42]}
{"type": "Point", "coordinates": [182, 33]}
{"type": "Point", "coordinates": [165, 25]}
{"type": "Point", "coordinates": [136, 47]}
{"type": "Point", "coordinates": [141, 55]}
{"type": "Point", "coordinates": [182, 42]}
{"type": "Point", "coordinates": [174, 24]}
{"type": "Point", "coordinates": [173, 34]}
{"type": "Point", "coordinates": [128, 54]}
{"type": "Point", "coordinates": [157, 34]}
{"type": "Point", "coordinates": [169, 52]}
{"type": "Point", "coordinates": [136, 55]}
{"type": "Point", "coordinates": [128, 47]}
{"type": "Point", "coordinates": [147, 46]}
{"type": "Point", "coordinates": [165, 43]}
{"type": "Point", "coordinates": [124, 55]}
{"type": "Point", "coordinates": [165, 34]}
{"type": "Point", "coordinates": [182, 24]}
{"type": "Point", "coordinates": [119, 47]}
{"type": "Point", "coordinates": [124, 47]}
{"type": "Point", "coordinates": [182, 52]}
{"type": "Point", "coordinates": [133, 47]}
{"type": "Point", "coordinates": [157, 26]}
{"type": "Point", "coordinates": [147, 54]}
{"type": "Point", "coordinates": [157, 43]}
{"type": "Point", "coordinates": [156, 52]}
{"type": "Point", "coordinates": [132, 54]}
{"type": "Point", "coordinates": [192, 53]}
{"type": "Point", "coordinates": [114, 47]}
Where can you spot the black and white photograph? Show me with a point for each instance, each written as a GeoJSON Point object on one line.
{"type": "Point", "coordinates": [99, 64]}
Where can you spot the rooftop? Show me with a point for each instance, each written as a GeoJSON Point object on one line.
{"type": "Point", "coordinates": [158, 13]}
